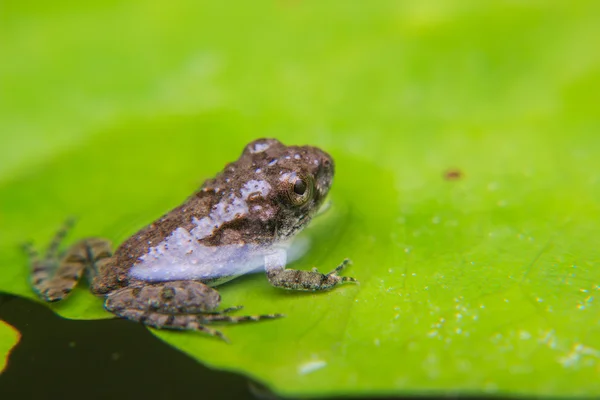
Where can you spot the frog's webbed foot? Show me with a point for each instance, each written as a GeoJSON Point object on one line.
{"type": "Point", "coordinates": [294, 279]}
{"type": "Point", "coordinates": [176, 305]}
{"type": "Point", "coordinates": [53, 276]}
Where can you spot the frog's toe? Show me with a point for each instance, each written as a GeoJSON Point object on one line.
{"type": "Point", "coordinates": [349, 279]}
{"type": "Point", "coordinates": [346, 262]}
{"type": "Point", "coordinates": [221, 336]}
{"type": "Point", "coordinates": [234, 319]}
{"type": "Point", "coordinates": [230, 309]}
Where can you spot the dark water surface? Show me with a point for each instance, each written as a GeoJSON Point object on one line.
{"type": "Point", "coordinates": [64, 359]}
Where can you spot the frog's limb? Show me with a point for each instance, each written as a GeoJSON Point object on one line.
{"type": "Point", "coordinates": [173, 297]}
{"type": "Point", "coordinates": [178, 305]}
{"type": "Point", "coordinates": [166, 321]}
{"type": "Point", "coordinates": [52, 252]}
{"type": "Point", "coordinates": [54, 277]}
{"type": "Point", "coordinates": [190, 322]}
{"type": "Point", "coordinates": [294, 279]}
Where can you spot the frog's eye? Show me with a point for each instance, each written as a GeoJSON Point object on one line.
{"type": "Point", "coordinates": [299, 187]}
{"type": "Point", "coordinates": [300, 190]}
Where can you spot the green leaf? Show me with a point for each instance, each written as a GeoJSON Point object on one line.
{"type": "Point", "coordinates": [483, 284]}
{"type": "Point", "coordinates": [9, 337]}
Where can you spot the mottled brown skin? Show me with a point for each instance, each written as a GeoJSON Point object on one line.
{"type": "Point", "coordinates": [299, 177]}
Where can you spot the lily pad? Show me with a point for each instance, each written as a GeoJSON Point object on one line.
{"type": "Point", "coordinates": [467, 186]}
{"type": "Point", "coordinates": [9, 337]}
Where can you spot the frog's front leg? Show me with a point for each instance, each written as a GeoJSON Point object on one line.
{"type": "Point", "coordinates": [177, 305]}
{"type": "Point", "coordinates": [295, 279]}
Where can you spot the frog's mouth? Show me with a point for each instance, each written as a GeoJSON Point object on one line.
{"type": "Point", "coordinates": [326, 206]}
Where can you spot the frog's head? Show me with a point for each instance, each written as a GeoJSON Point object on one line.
{"type": "Point", "coordinates": [299, 178]}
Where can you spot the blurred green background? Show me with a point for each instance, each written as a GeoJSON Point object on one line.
{"type": "Point", "coordinates": [116, 111]}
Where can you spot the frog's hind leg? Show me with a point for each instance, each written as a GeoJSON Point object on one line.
{"type": "Point", "coordinates": [176, 305]}
{"type": "Point", "coordinates": [189, 322]}
{"type": "Point", "coordinates": [53, 277]}
{"type": "Point", "coordinates": [166, 321]}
